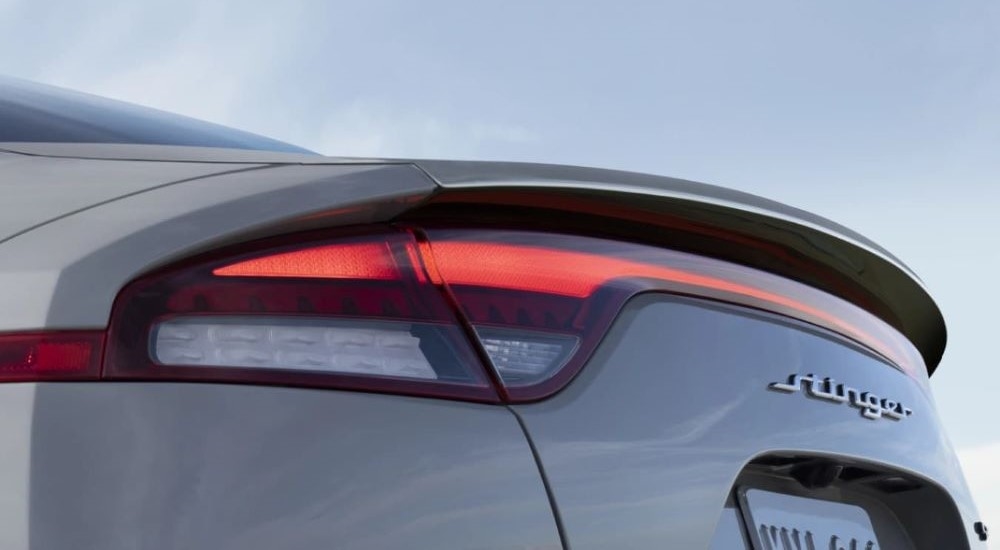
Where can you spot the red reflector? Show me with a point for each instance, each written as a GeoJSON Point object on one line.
{"type": "Point", "coordinates": [48, 356]}
{"type": "Point", "coordinates": [370, 261]}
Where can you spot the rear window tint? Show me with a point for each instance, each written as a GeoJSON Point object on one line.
{"type": "Point", "coordinates": [36, 113]}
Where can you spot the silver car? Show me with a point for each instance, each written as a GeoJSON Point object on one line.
{"type": "Point", "coordinates": [216, 340]}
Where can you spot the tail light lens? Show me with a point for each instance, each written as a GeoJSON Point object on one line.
{"type": "Point", "coordinates": [293, 344]}
{"type": "Point", "coordinates": [541, 303]}
{"type": "Point", "coordinates": [356, 313]}
{"type": "Point", "coordinates": [481, 315]}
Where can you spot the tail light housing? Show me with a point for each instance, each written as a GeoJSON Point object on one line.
{"type": "Point", "coordinates": [355, 312]}
{"type": "Point", "coordinates": [488, 315]}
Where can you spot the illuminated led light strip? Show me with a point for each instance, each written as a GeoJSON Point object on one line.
{"type": "Point", "coordinates": [547, 270]}
{"type": "Point", "coordinates": [579, 274]}
{"type": "Point", "coordinates": [369, 261]}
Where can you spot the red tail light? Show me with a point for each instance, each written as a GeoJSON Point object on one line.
{"type": "Point", "coordinates": [363, 261]}
{"type": "Point", "coordinates": [50, 356]}
{"type": "Point", "coordinates": [356, 314]}
{"type": "Point", "coordinates": [539, 287]}
{"type": "Point", "coordinates": [481, 315]}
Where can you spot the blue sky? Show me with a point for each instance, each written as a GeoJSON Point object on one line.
{"type": "Point", "coordinates": [884, 116]}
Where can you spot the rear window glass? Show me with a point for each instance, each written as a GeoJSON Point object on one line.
{"type": "Point", "coordinates": [32, 112]}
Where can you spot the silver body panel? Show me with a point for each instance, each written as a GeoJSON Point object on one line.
{"type": "Point", "coordinates": [165, 466]}
{"type": "Point", "coordinates": [37, 190]}
{"type": "Point", "coordinates": [645, 445]}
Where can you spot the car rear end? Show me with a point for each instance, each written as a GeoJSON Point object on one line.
{"type": "Point", "coordinates": [760, 363]}
{"type": "Point", "coordinates": [220, 348]}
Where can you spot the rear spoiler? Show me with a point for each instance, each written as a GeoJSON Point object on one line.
{"type": "Point", "coordinates": [699, 218]}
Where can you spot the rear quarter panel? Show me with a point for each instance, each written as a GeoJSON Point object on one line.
{"type": "Point", "coordinates": [163, 466]}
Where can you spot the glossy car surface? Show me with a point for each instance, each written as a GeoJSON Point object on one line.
{"type": "Point", "coordinates": [691, 395]}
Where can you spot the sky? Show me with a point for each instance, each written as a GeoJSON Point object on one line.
{"type": "Point", "coordinates": [881, 115]}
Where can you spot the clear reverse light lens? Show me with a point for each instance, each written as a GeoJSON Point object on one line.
{"type": "Point", "coordinates": [521, 357]}
{"type": "Point", "coordinates": [289, 343]}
